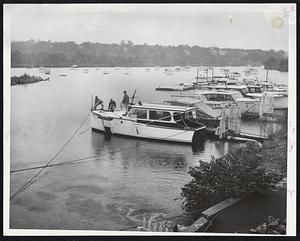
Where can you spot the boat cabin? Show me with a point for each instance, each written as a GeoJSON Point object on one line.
{"type": "Point", "coordinates": [164, 115]}
{"type": "Point", "coordinates": [255, 89]}
{"type": "Point", "coordinates": [237, 88]}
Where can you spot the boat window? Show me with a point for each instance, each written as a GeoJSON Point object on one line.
{"type": "Point", "coordinates": [177, 116]}
{"type": "Point", "coordinates": [252, 90]}
{"type": "Point", "coordinates": [228, 97]}
{"type": "Point", "coordinates": [215, 97]}
{"type": "Point", "coordinates": [159, 115]}
{"type": "Point", "coordinates": [138, 113]}
{"type": "Point", "coordinates": [244, 91]}
{"type": "Point", "coordinates": [189, 115]}
{"type": "Point", "coordinates": [257, 90]}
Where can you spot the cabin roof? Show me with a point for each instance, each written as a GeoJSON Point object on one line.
{"type": "Point", "coordinates": [215, 92]}
{"type": "Point", "coordinates": [230, 87]}
{"type": "Point", "coordinates": [163, 107]}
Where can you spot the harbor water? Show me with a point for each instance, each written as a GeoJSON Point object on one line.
{"type": "Point", "coordinates": [125, 179]}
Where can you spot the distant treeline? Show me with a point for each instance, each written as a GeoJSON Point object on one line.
{"type": "Point", "coordinates": [125, 54]}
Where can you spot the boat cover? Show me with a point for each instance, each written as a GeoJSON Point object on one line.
{"type": "Point", "coordinates": [200, 106]}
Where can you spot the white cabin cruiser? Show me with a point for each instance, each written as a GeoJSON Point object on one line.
{"type": "Point", "coordinates": [218, 99]}
{"type": "Point", "coordinates": [253, 92]}
{"type": "Point", "coordinates": [280, 95]}
{"type": "Point", "coordinates": [150, 121]}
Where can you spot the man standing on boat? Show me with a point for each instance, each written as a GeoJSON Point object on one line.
{"type": "Point", "coordinates": [125, 101]}
{"type": "Point", "coordinates": [112, 105]}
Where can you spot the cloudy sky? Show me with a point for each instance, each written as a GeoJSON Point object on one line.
{"type": "Point", "coordinates": [261, 26]}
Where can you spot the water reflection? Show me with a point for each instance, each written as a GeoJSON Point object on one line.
{"type": "Point", "coordinates": [143, 153]}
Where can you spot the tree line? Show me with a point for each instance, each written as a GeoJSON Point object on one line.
{"type": "Point", "coordinates": [127, 54]}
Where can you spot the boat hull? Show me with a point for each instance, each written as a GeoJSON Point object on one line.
{"type": "Point", "coordinates": [128, 127]}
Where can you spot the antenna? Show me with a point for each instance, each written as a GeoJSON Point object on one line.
{"type": "Point", "coordinates": [132, 98]}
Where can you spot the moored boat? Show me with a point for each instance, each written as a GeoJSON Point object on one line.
{"type": "Point", "coordinates": [150, 121]}
{"type": "Point", "coordinates": [47, 71]}
{"type": "Point", "coordinates": [218, 99]}
{"type": "Point", "coordinates": [179, 87]}
{"type": "Point", "coordinates": [74, 67]}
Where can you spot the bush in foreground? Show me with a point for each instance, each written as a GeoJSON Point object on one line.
{"type": "Point", "coordinates": [238, 174]}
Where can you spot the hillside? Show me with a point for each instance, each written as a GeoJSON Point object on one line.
{"type": "Point", "coordinates": [64, 54]}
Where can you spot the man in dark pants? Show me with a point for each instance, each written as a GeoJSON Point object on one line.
{"type": "Point", "coordinates": [112, 105]}
{"type": "Point", "coordinates": [125, 101]}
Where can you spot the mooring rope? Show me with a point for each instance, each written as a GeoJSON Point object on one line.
{"type": "Point", "coordinates": [32, 180]}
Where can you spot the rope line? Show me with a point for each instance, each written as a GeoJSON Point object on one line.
{"type": "Point", "coordinates": [31, 181]}
{"type": "Point", "coordinates": [80, 160]}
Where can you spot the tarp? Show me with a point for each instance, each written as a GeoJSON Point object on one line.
{"type": "Point", "coordinates": [200, 106]}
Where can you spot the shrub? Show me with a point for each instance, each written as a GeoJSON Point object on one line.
{"type": "Point", "coordinates": [237, 174]}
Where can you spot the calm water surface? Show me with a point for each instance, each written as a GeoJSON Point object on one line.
{"type": "Point", "coordinates": [129, 179]}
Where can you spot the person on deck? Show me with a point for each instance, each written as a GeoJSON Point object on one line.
{"type": "Point", "coordinates": [125, 101]}
{"type": "Point", "coordinates": [112, 105]}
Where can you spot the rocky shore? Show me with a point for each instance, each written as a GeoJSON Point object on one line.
{"type": "Point", "coordinates": [26, 79]}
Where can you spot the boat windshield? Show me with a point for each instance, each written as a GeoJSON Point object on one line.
{"type": "Point", "coordinates": [236, 95]}
{"type": "Point", "coordinates": [244, 91]}
{"type": "Point", "coordinates": [159, 115]}
{"type": "Point", "coordinates": [138, 113]}
{"type": "Point", "coordinates": [254, 89]}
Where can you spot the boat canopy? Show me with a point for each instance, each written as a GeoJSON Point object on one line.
{"type": "Point", "coordinates": [200, 105]}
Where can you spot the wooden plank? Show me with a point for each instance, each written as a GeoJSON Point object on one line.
{"type": "Point", "coordinates": [197, 225]}
{"type": "Point", "coordinates": [208, 213]}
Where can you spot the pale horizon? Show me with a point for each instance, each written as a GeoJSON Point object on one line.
{"type": "Point", "coordinates": [234, 26]}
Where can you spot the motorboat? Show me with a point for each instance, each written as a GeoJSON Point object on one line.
{"type": "Point", "coordinates": [150, 121]}
{"type": "Point", "coordinates": [85, 71]}
{"type": "Point", "coordinates": [217, 99]}
{"type": "Point", "coordinates": [47, 71]}
{"type": "Point", "coordinates": [73, 67]}
{"type": "Point", "coordinates": [233, 75]}
{"type": "Point", "coordinates": [105, 72]}
{"type": "Point", "coordinates": [280, 95]}
{"type": "Point", "coordinates": [187, 68]}
{"type": "Point", "coordinates": [179, 87]}
{"type": "Point", "coordinates": [169, 71]}
{"type": "Point", "coordinates": [177, 68]}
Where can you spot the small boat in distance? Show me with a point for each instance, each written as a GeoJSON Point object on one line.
{"type": "Point", "coordinates": [47, 71]}
{"type": "Point", "coordinates": [150, 121]}
{"type": "Point", "coordinates": [187, 68]}
{"type": "Point", "coordinates": [74, 66]}
{"type": "Point", "coordinates": [85, 71]}
{"type": "Point", "coordinates": [105, 72]}
{"type": "Point", "coordinates": [179, 87]}
{"type": "Point", "coordinates": [177, 68]}
{"type": "Point", "coordinates": [168, 71]}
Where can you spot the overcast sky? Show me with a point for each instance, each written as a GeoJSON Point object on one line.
{"type": "Point", "coordinates": [261, 26]}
